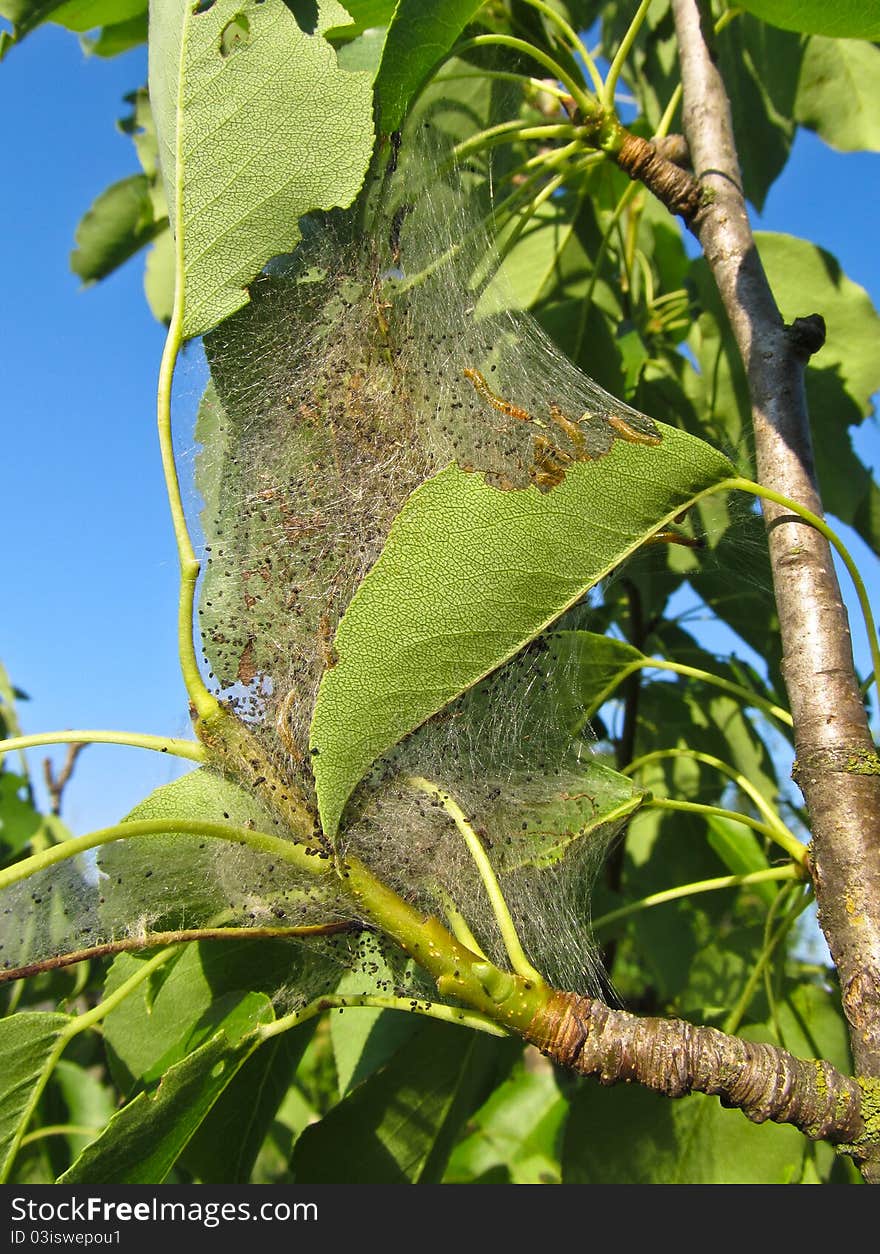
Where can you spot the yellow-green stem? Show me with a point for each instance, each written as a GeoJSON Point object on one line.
{"type": "Point", "coordinates": [376, 1001]}
{"type": "Point", "coordinates": [512, 943]}
{"type": "Point", "coordinates": [768, 494]}
{"type": "Point", "coordinates": [782, 834]}
{"type": "Point", "coordinates": [698, 807]}
{"type": "Point", "coordinates": [584, 101]}
{"type": "Point", "coordinates": [285, 850]}
{"type": "Point", "coordinates": [789, 872]}
{"type": "Point", "coordinates": [190, 749]}
{"type": "Point", "coordinates": [622, 53]}
{"type": "Point", "coordinates": [203, 701]}
{"type": "Point", "coordinates": [691, 672]}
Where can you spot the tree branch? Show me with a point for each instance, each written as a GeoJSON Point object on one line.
{"type": "Point", "coordinates": [831, 729]}
{"type": "Point", "coordinates": [673, 1057]}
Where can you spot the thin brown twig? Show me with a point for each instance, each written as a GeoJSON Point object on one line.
{"type": "Point", "coordinates": [157, 940]}
{"type": "Point", "coordinates": [57, 783]}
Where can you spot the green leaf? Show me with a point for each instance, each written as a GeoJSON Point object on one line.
{"type": "Point", "coordinates": [143, 1141]}
{"type": "Point", "coordinates": [158, 1023]}
{"type": "Point", "coordinates": [159, 277]}
{"type": "Point", "coordinates": [246, 110]}
{"type": "Point", "coordinates": [364, 1040]}
{"type": "Point", "coordinates": [399, 1126]}
{"type": "Point", "coordinates": [119, 223]}
{"type": "Point", "coordinates": [740, 850]}
{"type": "Point", "coordinates": [469, 574]}
{"type": "Point", "coordinates": [760, 68]}
{"type": "Point", "coordinates": [838, 93]}
{"type": "Point", "coordinates": [856, 19]}
{"type": "Point", "coordinates": [19, 821]}
{"type": "Point", "coordinates": [629, 1135]}
{"type": "Point", "coordinates": [90, 1102]}
{"type": "Point", "coordinates": [363, 15]}
{"type": "Point", "coordinates": [515, 1136]}
{"type": "Point", "coordinates": [419, 36]}
{"type": "Point", "coordinates": [28, 1043]}
{"type": "Point", "coordinates": [225, 1147]}
{"type": "Point", "coordinates": [117, 38]}
{"type": "Point", "coordinates": [83, 15]}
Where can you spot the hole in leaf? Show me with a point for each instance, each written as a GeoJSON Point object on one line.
{"type": "Point", "coordinates": [202, 6]}
{"type": "Point", "coordinates": [306, 14]}
{"type": "Point", "coordinates": [234, 35]}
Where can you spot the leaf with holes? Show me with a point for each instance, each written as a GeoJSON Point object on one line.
{"type": "Point", "coordinates": [257, 126]}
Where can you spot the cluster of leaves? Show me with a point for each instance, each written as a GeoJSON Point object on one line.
{"type": "Point", "coordinates": [605, 271]}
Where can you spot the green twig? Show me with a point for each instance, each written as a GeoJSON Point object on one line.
{"type": "Point", "coordinates": [286, 850]}
{"type": "Point", "coordinates": [204, 702]}
{"type": "Point", "coordinates": [622, 53]}
{"type": "Point", "coordinates": [768, 494]}
{"type": "Point", "coordinates": [190, 749]}
{"type": "Point", "coordinates": [782, 834]}
{"type": "Point", "coordinates": [512, 944]}
{"type": "Point", "coordinates": [584, 101]}
{"type": "Point", "coordinates": [789, 872]}
{"type": "Point", "coordinates": [698, 807]}
{"type": "Point", "coordinates": [375, 1001]}
{"type": "Point", "coordinates": [575, 42]}
{"type": "Point", "coordinates": [746, 695]}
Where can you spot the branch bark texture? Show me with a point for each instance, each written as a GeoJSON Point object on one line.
{"type": "Point", "coordinates": [673, 1057]}
{"type": "Point", "coordinates": [836, 758]}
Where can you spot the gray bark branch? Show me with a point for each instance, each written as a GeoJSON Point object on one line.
{"type": "Point", "coordinates": [831, 728]}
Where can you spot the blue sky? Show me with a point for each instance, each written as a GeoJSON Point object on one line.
{"type": "Point", "coordinates": [91, 580]}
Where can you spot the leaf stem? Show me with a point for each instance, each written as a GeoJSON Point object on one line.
{"type": "Point", "coordinates": [789, 872]}
{"type": "Point", "coordinates": [698, 807]}
{"type": "Point", "coordinates": [735, 1018]}
{"type": "Point", "coordinates": [782, 834]}
{"type": "Point", "coordinates": [610, 85]}
{"type": "Point", "coordinates": [691, 672]}
{"type": "Point", "coordinates": [584, 101]}
{"type": "Point", "coordinates": [190, 749]}
{"type": "Point", "coordinates": [577, 45]}
{"type": "Point", "coordinates": [204, 702]}
{"type": "Point", "coordinates": [286, 850]}
{"type": "Point", "coordinates": [512, 944]}
{"type": "Point", "coordinates": [768, 494]}
{"type": "Point", "coordinates": [377, 1001]}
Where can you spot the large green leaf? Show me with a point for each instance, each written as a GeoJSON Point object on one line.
{"type": "Point", "coordinates": [160, 1022]}
{"type": "Point", "coordinates": [225, 1147]}
{"type": "Point", "coordinates": [760, 66]}
{"type": "Point", "coordinates": [419, 36]}
{"type": "Point", "coordinates": [143, 1141]}
{"type": "Point", "coordinates": [364, 1040]}
{"type": "Point", "coordinates": [244, 100]}
{"type": "Point", "coordinates": [119, 223]}
{"type": "Point", "coordinates": [117, 38]}
{"type": "Point", "coordinates": [514, 1138]}
{"type": "Point", "coordinates": [28, 1043]}
{"type": "Point", "coordinates": [839, 92]}
{"type": "Point", "coordinates": [399, 1126]}
{"type": "Point", "coordinates": [77, 15]}
{"type": "Point", "coordinates": [629, 1135]}
{"type": "Point", "coordinates": [469, 574]}
{"type": "Point", "coordinates": [857, 19]}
